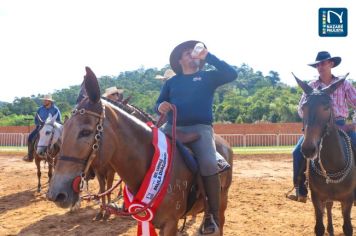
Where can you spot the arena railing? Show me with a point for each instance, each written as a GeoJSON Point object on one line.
{"type": "Point", "coordinates": [235, 140]}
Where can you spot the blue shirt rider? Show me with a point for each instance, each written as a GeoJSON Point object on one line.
{"type": "Point", "coordinates": [42, 113]}
{"type": "Point", "coordinates": [191, 90]}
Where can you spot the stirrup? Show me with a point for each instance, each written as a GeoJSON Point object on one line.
{"type": "Point", "coordinates": [209, 226]}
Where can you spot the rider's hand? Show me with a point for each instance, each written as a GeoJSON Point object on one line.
{"type": "Point", "coordinates": [164, 107]}
{"type": "Point", "coordinates": [202, 55]}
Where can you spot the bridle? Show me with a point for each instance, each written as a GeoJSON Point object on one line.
{"type": "Point", "coordinates": [333, 178]}
{"type": "Point", "coordinates": [51, 138]}
{"type": "Point", "coordinates": [78, 181]}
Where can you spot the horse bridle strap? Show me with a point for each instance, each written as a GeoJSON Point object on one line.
{"type": "Point", "coordinates": [96, 142]}
{"type": "Point", "coordinates": [72, 159]}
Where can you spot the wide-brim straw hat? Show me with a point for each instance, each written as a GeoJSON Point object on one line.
{"type": "Point", "coordinates": [169, 73]}
{"type": "Point", "coordinates": [47, 97]}
{"type": "Point", "coordinates": [176, 55]}
{"type": "Point", "coordinates": [112, 90]}
{"type": "Point", "coordinates": [324, 56]}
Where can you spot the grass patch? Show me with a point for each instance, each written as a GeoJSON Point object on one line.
{"type": "Point", "coordinates": [263, 150]}
{"type": "Point", "coordinates": [237, 150]}
{"type": "Point", "coordinates": [13, 150]}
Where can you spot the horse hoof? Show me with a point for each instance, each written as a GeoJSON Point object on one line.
{"type": "Point", "coordinates": [98, 216]}
{"type": "Point", "coordinates": [302, 199]}
{"type": "Point", "coordinates": [38, 190]}
{"type": "Point", "coordinates": [75, 207]}
{"type": "Point", "coordinates": [106, 216]}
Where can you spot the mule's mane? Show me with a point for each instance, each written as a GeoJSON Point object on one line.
{"type": "Point", "coordinates": [130, 109]}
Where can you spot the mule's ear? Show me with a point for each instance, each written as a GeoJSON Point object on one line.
{"type": "Point", "coordinates": [82, 93]}
{"type": "Point", "coordinates": [306, 88]}
{"type": "Point", "coordinates": [91, 86]}
{"type": "Point", "coordinates": [332, 87]}
{"type": "Point", "coordinates": [49, 118]}
{"type": "Point", "coordinates": [54, 118]}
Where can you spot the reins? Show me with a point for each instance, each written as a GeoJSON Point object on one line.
{"type": "Point", "coordinates": [338, 177]}
{"type": "Point", "coordinates": [124, 213]}
{"type": "Point", "coordinates": [333, 178]}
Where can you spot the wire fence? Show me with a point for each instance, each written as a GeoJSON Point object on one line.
{"type": "Point", "coordinates": [235, 140]}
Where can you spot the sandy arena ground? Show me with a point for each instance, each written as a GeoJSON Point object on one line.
{"type": "Point", "coordinates": [257, 205]}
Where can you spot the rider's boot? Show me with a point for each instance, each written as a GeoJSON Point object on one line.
{"type": "Point", "coordinates": [29, 156]}
{"type": "Point", "coordinates": [211, 221]}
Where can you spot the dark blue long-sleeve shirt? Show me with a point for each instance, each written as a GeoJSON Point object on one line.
{"type": "Point", "coordinates": [193, 94]}
{"type": "Point", "coordinates": [43, 113]}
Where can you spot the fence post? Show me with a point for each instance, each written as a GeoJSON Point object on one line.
{"type": "Point", "coordinates": [278, 140]}
{"type": "Point", "coordinates": [22, 140]}
{"type": "Point", "coordinates": [244, 139]}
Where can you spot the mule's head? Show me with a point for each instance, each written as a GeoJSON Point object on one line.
{"type": "Point", "coordinates": [79, 136]}
{"type": "Point", "coordinates": [317, 115]}
{"type": "Point", "coordinates": [49, 134]}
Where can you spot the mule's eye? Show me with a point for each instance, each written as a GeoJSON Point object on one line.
{"type": "Point", "coordinates": [48, 132]}
{"type": "Point", "coordinates": [85, 133]}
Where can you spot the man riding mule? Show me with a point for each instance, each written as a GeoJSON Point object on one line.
{"type": "Point", "coordinates": [42, 114]}
{"type": "Point", "coordinates": [47, 146]}
{"type": "Point", "coordinates": [330, 160]}
{"type": "Point", "coordinates": [191, 91]}
{"type": "Point", "coordinates": [343, 96]}
{"type": "Point", "coordinates": [101, 132]}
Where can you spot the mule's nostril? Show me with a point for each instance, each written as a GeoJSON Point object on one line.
{"type": "Point", "coordinates": [310, 152]}
{"type": "Point", "coordinates": [61, 197]}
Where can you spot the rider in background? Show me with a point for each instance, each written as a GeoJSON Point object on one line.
{"type": "Point", "coordinates": [42, 113]}
{"type": "Point", "coordinates": [114, 94]}
{"type": "Point", "coordinates": [191, 90]}
{"type": "Point", "coordinates": [169, 73]}
{"type": "Point", "coordinates": [343, 96]}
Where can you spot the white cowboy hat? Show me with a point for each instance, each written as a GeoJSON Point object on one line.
{"type": "Point", "coordinates": [47, 97]}
{"type": "Point", "coordinates": [112, 90]}
{"type": "Point", "coordinates": [169, 73]}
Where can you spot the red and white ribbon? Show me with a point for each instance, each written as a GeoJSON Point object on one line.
{"type": "Point", "coordinates": [154, 185]}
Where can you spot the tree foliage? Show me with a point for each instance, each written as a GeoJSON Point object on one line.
{"type": "Point", "coordinates": [253, 97]}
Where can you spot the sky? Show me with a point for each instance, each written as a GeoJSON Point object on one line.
{"type": "Point", "coordinates": [46, 44]}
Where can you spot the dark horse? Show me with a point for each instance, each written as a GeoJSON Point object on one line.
{"type": "Point", "coordinates": [333, 176]}
{"type": "Point", "coordinates": [47, 146]}
{"type": "Point", "coordinates": [125, 144]}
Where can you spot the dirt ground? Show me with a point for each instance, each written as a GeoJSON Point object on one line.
{"type": "Point", "coordinates": [257, 205]}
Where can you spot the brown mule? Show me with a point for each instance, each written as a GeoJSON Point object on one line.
{"type": "Point", "coordinates": [125, 144]}
{"type": "Point", "coordinates": [333, 177]}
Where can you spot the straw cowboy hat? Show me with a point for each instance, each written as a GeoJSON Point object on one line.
{"type": "Point", "coordinates": [169, 73]}
{"type": "Point", "coordinates": [324, 56]}
{"type": "Point", "coordinates": [112, 90]}
{"type": "Point", "coordinates": [176, 54]}
{"type": "Point", "coordinates": [47, 97]}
